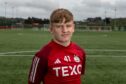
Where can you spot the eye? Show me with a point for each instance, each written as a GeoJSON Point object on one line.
{"type": "Point", "coordinates": [68, 25]}
{"type": "Point", "coordinates": [58, 26]}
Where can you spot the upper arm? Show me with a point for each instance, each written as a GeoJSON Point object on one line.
{"type": "Point", "coordinates": [83, 63]}
{"type": "Point", "coordinates": [38, 70]}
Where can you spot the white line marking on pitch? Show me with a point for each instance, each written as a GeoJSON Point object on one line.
{"type": "Point", "coordinates": [107, 50]}
{"type": "Point", "coordinates": [17, 52]}
{"type": "Point", "coordinates": [16, 55]}
{"type": "Point", "coordinates": [114, 50]}
{"type": "Point", "coordinates": [106, 56]}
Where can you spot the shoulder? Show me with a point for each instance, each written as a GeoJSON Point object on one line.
{"type": "Point", "coordinates": [77, 47]}
{"type": "Point", "coordinates": [44, 51]}
{"type": "Point", "coordinates": [74, 45]}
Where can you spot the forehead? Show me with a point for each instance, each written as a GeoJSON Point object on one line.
{"type": "Point", "coordinates": [63, 22]}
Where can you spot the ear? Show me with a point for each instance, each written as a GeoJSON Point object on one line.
{"type": "Point", "coordinates": [50, 28]}
{"type": "Point", "coordinates": [73, 27]}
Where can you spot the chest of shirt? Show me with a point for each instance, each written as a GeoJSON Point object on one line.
{"type": "Point", "coordinates": [65, 63]}
{"type": "Point", "coordinates": [64, 58]}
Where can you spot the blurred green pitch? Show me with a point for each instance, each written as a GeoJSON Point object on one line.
{"type": "Point", "coordinates": [105, 63]}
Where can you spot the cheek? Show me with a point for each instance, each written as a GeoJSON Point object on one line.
{"type": "Point", "coordinates": [72, 30]}
{"type": "Point", "coordinates": [55, 32]}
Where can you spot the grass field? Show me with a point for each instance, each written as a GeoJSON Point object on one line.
{"type": "Point", "coordinates": [106, 55]}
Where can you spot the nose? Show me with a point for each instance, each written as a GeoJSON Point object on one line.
{"type": "Point", "coordinates": [64, 28]}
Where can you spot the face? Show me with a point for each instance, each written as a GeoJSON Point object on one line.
{"type": "Point", "coordinates": [62, 32]}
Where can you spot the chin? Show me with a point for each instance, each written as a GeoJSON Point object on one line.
{"type": "Point", "coordinates": [65, 41]}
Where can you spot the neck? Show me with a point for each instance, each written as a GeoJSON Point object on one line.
{"type": "Point", "coordinates": [65, 44]}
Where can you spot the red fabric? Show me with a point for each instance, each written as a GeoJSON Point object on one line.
{"type": "Point", "coordinates": [56, 64]}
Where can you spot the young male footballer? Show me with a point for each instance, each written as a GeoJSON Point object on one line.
{"type": "Point", "coordinates": [61, 61]}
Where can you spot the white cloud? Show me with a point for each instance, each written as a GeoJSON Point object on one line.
{"type": "Point", "coordinates": [36, 8]}
{"type": "Point", "coordinates": [80, 8]}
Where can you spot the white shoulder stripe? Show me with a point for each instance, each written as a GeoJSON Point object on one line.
{"type": "Point", "coordinates": [32, 71]}
{"type": "Point", "coordinates": [34, 67]}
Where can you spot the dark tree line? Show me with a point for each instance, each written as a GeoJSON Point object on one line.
{"type": "Point", "coordinates": [99, 21]}
{"type": "Point", "coordinates": [31, 20]}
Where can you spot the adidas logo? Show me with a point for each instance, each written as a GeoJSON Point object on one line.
{"type": "Point", "coordinates": [57, 61]}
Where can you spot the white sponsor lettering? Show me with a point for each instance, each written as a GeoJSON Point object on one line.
{"type": "Point", "coordinates": [73, 70]}
{"type": "Point", "coordinates": [79, 69]}
{"type": "Point", "coordinates": [68, 70]}
{"type": "Point", "coordinates": [57, 70]}
{"type": "Point", "coordinates": [65, 71]}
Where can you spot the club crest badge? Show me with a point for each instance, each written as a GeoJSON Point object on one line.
{"type": "Point", "coordinates": [76, 58]}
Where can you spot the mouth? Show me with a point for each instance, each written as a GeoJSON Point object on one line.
{"type": "Point", "coordinates": [65, 35]}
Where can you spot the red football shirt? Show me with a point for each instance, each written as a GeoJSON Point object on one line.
{"type": "Point", "coordinates": [56, 64]}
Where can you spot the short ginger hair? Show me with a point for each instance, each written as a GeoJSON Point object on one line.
{"type": "Point", "coordinates": [59, 15]}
